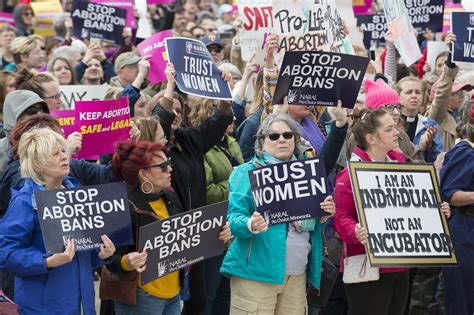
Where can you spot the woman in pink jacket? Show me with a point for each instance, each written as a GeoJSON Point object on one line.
{"type": "Point", "coordinates": [377, 140]}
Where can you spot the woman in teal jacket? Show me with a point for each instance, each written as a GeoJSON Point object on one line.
{"type": "Point", "coordinates": [269, 266]}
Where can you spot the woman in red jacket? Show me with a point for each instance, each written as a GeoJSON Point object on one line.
{"type": "Point", "coordinates": [377, 139]}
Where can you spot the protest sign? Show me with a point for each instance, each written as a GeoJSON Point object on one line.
{"type": "Point", "coordinates": [182, 240]}
{"type": "Point", "coordinates": [155, 46]}
{"type": "Point", "coordinates": [374, 27]}
{"type": "Point", "coordinates": [308, 25]}
{"type": "Point", "coordinates": [144, 29]}
{"type": "Point", "coordinates": [70, 94]}
{"type": "Point", "coordinates": [84, 214]}
{"type": "Point", "coordinates": [122, 4]}
{"type": "Point", "coordinates": [434, 49]}
{"type": "Point", "coordinates": [426, 14]}
{"type": "Point", "coordinates": [399, 24]}
{"type": "Point", "coordinates": [462, 24]}
{"type": "Point", "coordinates": [289, 191]}
{"type": "Point", "coordinates": [65, 119]}
{"type": "Point", "coordinates": [362, 7]}
{"type": "Point", "coordinates": [320, 78]}
{"type": "Point", "coordinates": [93, 20]}
{"type": "Point", "coordinates": [7, 18]}
{"type": "Point", "coordinates": [104, 123]}
{"type": "Point", "coordinates": [45, 13]}
{"type": "Point", "coordinates": [257, 22]}
{"type": "Point", "coordinates": [448, 8]}
{"type": "Point", "coordinates": [196, 72]}
{"type": "Point", "coordinates": [399, 205]}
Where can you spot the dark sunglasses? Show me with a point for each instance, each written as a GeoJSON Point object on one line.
{"type": "Point", "coordinates": [275, 136]}
{"type": "Point", "coordinates": [216, 48]}
{"type": "Point", "coordinates": [163, 165]}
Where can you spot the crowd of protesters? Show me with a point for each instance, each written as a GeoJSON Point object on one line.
{"type": "Point", "coordinates": [186, 152]}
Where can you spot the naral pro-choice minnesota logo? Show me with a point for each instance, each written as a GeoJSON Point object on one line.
{"type": "Point", "coordinates": [195, 49]}
{"type": "Point", "coordinates": [163, 267]}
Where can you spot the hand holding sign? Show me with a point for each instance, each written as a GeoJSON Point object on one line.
{"type": "Point", "coordinates": [170, 74]}
{"type": "Point", "coordinates": [340, 114]}
{"type": "Point", "coordinates": [271, 45]}
{"type": "Point", "coordinates": [258, 223]}
{"type": "Point", "coordinates": [74, 142]}
{"type": "Point", "coordinates": [65, 257]}
{"type": "Point", "coordinates": [361, 234]}
{"type": "Point", "coordinates": [446, 209]}
{"type": "Point", "coordinates": [225, 234]}
{"type": "Point", "coordinates": [136, 261]}
{"type": "Point", "coordinates": [329, 206]}
{"type": "Point", "coordinates": [450, 40]}
{"type": "Point", "coordinates": [107, 249]}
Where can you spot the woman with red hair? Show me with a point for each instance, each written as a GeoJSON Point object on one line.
{"type": "Point", "coordinates": [146, 169]}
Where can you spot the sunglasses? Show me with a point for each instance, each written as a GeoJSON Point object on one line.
{"type": "Point", "coordinates": [27, 14]}
{"type": "Point", "coordinates": [275, 136]}
{"type": "Point", "coordinates": [164, 165]}
{"type": "Point", "coordinates": [217, 49]}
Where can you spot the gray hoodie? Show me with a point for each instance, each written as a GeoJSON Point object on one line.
{"type": "Point", "coordinates": [16, 102]}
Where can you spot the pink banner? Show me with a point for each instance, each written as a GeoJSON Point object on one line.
{"type": "Point", "coordinates": [155, 47]}
{"type": "Point", "coordinates": [123, 4]}
{"type": "Point", "coordinates": [102, 124]}
{"type": "Point", "coordinates": [159, 1]}
{"type": "Point", "coordinates": [7, 18]}
{"type": "Point", "coordinates": [448, 8]}
{"type": "Point", "coordinates": [66, 119]}
{"type": "Point", "coordinates": [362, 6]}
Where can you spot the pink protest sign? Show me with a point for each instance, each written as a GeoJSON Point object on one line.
{"type": "Point", "coordinates": [155, 47]}
{"type": "Point", "coordinates": [102, 124]}
{"type": "Point", "coordinates": [448, 8]}
{"type": "Point", "coordinates": [123, 4]}
{"type": "Point", "coordinates": [159, 1]}
{"type": "Point", "coordinates": [362, 6]}
{"type": "Point", "coordinates": [7, 18]}
{"type": "Point", "coordinates": [66, 119]}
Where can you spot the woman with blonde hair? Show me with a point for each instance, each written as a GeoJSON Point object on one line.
{"type": "Point", "coordinates": [62, 70]}
{"type": "Point", "coordinates": [151, 130]}
{"type": "Point", "coordinates": [61, 283]}
{"type": "Point", "coordinates": [28, 52]}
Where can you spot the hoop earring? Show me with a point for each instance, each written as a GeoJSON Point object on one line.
{"type": "Point", "coordinates": [143, 188]}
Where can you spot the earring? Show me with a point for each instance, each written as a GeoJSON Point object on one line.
{"type": "Point", "coordinates": [144, 190]}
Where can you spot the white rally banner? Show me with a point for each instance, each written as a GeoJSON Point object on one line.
{"type": "Point", "coordinates": [70, 94]}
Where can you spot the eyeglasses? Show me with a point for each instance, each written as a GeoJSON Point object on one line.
{"type": "Point", "coordinates": [216, 48]}
{"type": "Point", "coordinates": [392, 107]}
{"type": "Point", "coordinates": [275, 136]}
{"type": "Point", "coordinates": [57, 97]}
{"type": "Point", "coordinates": [164, 165]}
{"type": "Point", "coordinates": [28, 14]}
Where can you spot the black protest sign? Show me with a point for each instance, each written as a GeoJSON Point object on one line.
{"type": "Point", "coordinates": [196, 72]}
{"type": "Point", "coordinates": [399, 204]}
{"type": "Point", "coordinates": [290, 191]}
{"type": "Point", "coordinates": [93, 20]}
{"type": "Point", "coordinates": [84, 214]}
{"type": "Point", "coordinates": [374, 27]}
{"type": "Point", "coordinates": [320, 78]}
{"type": "Point", "coordinates": [426, 14]}
{"type": "Point", "coordinates": [182, 240]}
{"type": "Point", "coordinates": [462, 25]}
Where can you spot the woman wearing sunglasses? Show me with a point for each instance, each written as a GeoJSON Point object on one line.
{"type": "Point", "coordinates": [270, 266]}
{"type": "Point", "coordinates": [146, 169]}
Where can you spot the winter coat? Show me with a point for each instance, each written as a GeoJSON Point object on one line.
{"type": "Point", "coordinates": [39, 290]}
{"type": "Point", "coordinates": [346, 219]}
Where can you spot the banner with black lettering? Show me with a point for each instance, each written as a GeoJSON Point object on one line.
{"type": "Point", "coordinates": [462, 25]}
{"type": "Point", "coordinates": [320, 78]}
{"type": "Point", "coordinates": [290, 191]}
{"type": "Point", "coordinates": [374, 27]}
{"type": "Point", "coordinates": [99, 21]}
{"type": "Point", "coordinates": [196, 72]}
{"type": "Point", "coordinates": [399, 204]}
{"type": "Point", "coordinates": [84, 214]}
{"type": "Point", "coordinates": [426, 14]}
{"type": "Point", "coordinates": [182, 240]}
{"type": "Point", "coordinates": [70, 94]}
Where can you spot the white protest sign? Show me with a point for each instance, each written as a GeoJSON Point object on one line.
{"type": "Point", "coordinates": [72, 93]}
{"type": "Point", "coordinates": [257, 21]}
{"type": "Point", "coordinates": [399, 205]}
{"type": "Point", "coordinates": [404, 33]}
{"type": "Point", "coordinates": [308, 25]}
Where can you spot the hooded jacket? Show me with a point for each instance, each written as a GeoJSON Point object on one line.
{"type": "Point", "coordinates": [16, 102]}
{"type": "Point", "coordinates": [21, 28]}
